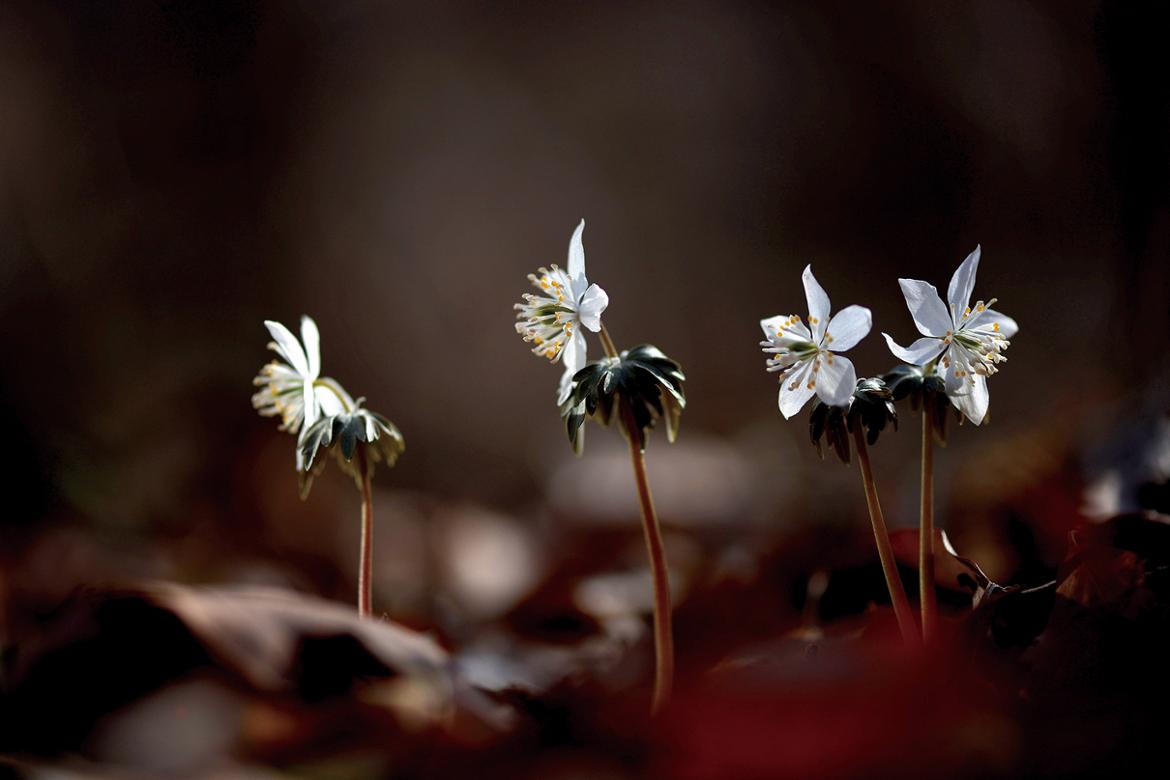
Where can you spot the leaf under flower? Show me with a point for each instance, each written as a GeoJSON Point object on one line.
{"type": "Point", "coordinates": [343, 434]}
{"type": "Point", "coordinates": [641, 386]}
{"type": "Point", "coordinates": [871, 406]}
{"type": "Point", "coordinates": [925, 389]}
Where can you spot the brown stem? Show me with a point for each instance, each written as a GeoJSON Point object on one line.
{"type": "Point", "coordinates": [885, 550]}
{"type": "Point", "coordinates": [926, 593]}
{"type": "Point", "coordinates": [663, 634]}
{"type": "Point", "coordinates": [607, 343]}
{"type": "Point", "coordinates": [366, 564]}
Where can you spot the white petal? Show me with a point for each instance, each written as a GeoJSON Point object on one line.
{"type": "Point", "coordinates": [312, 340]}
{"type": "Point", "coordinates": [311, 408]}
{"type": "Point", "coordinates": [590, 307]}
{"type": "Point", "coordinates": [836, 381]}
{"type": "Point", "coordinates": [330, 402]}
{"type": "Point", "coordinates": [818, 304]}
{"type": "Point", "coordinates": [962, 283]}
{"type": "Point", "coordinates": [953, 383]}
{"type": "Point", "coordinates": [973, 402]}
{"type": "Point", "coordinates": [574, 354]}
{"type": "Point", "coordinates": [919, 353]}
{"type": "Point", "coordinates": [794, 390]}
{"type": "Point", "coordinates": [576, 262]}
{"type": "Point", "coordinates": [848, 326]}
{"type": "Point", "coordinates": [985, 321]}
{"type": "Point", "coordinates": [929, 312]}
{"type": "Point", "coordinates": [565, 386]}
{"type": "Point", "coordinates": [288, 347]}
{"type": "Point", "coordinates": [772, 324]}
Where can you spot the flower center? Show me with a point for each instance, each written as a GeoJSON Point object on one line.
{"type": "Point", "coordinates": [547, 320]}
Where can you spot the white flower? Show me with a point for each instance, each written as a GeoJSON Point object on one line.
{"type": "Point", "coordinates": [294, 390]}
{"type": "Point", "coordinates": [970, 340]}
{"type": "Point", "coordinates": [805, 354]}
{"type": "Point", "coordinates": [552, 320]}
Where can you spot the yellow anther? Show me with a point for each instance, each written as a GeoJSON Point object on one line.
{"type": "Point", "coordinates": [966, 312]}
{"type": "Point", "coordinates": [995, 326]}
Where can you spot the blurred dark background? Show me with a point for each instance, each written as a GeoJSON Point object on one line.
{"type": "Point", "coordinates": [174, 173]}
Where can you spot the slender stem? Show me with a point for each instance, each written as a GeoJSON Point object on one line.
{"type": "Point", "coordinates": [607, 343]}
{"type": "Point", "coordinates": [663, 634]}
{"type": "Point", "coordinates": [926, 593]}
{"type": "Point", "coordinates": [885, 550]}
{"type": "Point", "coordinates": [366, 564]}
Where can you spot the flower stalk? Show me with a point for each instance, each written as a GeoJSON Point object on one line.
{"type": "Point", "coordinates": [663, 631]}
{"type": "Point", "coordinates": [366, 556]}
{"type": "Point", "coordinates": [607, 343]}
{"type": "Point", "coordinates": [926, 594]}
{"type": "Point", "coordinates": [881, 536]}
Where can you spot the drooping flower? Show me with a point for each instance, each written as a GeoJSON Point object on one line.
{"type": "Point", "coordinates": [552, 320]}
{"type": "Point", "coordinates": [355, 427]}
{"type": "Point", "coordinates": [808, 355]}
{"type": "Point", "coordinates": [963, 343]}
{"type": "Point", "coordinates": [294, 390]}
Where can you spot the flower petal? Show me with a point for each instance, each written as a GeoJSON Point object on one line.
{"type": "Point", "coordinates": [771, 325]}
{"type": "Point", "coordinates": [955, 361]}
{"type": "Point", "coordinates": [847, 327]}
{"type": "Point", "coordinates": [835, 380]}
{"type": "Point", "coordinates": [330, 402]}
{"type": "Point", "coordinates": [311, 338]}
{"type": "Point", "coordinates": [574, 352]}
{"type": "Point", "coordinates": [988, 319]}
{"type": "Point", "coordinates": [288, 347]}
{"type": "Point", "coordinates": [590, 307]}
{"type": "Point", "coordinates": [974, 400]}
{"type": "Point", "coordinates": [962, 283]}
{"type": "Point", "coordinates": [919, 353]}
{"type": "Point", "coordinates": [565, 387]}
{"type": "Point", "coordinates": [577, 253]}
{"type": "Point", "coordinates": [929, 313]}
{"type": "Point", "coordinates": [795, 390]}
{"type": "Point", "coordinates": [312, 410]}
{"type": "Point", "coordinates": [818, 304]}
